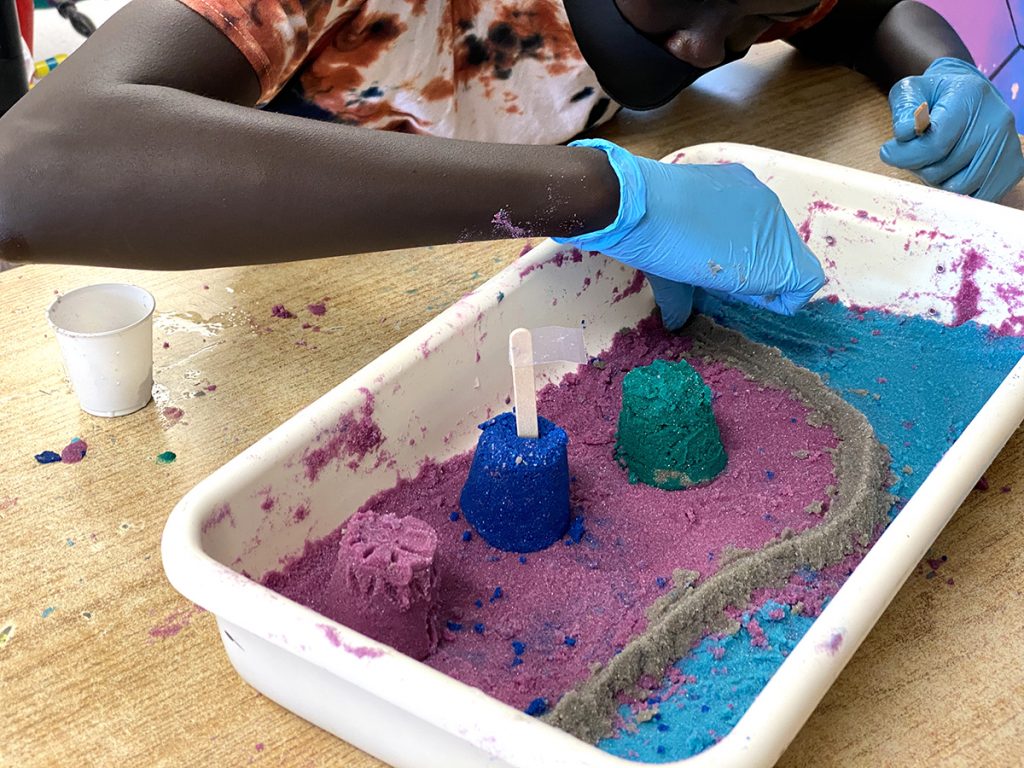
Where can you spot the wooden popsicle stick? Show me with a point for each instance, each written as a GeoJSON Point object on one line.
{"type": "Point", "coordinates": [524, 387]}
{"type": "Point", "coordinates": [922, 119]}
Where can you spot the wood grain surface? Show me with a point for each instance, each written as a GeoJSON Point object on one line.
{"type": "Point", "coordinates": [103, 663]}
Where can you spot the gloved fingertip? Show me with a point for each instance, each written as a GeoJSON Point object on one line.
{"type": "Point", "coordinates": [904, 130]}
{"type": "Point", "coordinates": [672, 320]}
{"type": "Point", "coordinates": [885, 153]}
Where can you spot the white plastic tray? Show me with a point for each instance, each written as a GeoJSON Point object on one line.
{"type": "Point", "coordinates": [408, 714]}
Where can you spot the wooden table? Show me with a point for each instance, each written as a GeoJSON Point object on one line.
{"type": "Point", "coordinates": [101, 662]}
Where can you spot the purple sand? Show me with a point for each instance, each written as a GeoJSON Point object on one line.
{"type": "Point", "coordinates": [965, 303]}
{"type": "Point", "coordinates": [384, 582]}
{"type": "Point", "coordinates": [597, 591]}
{"type": "Point", "coordinates": [74, 451]}
{"type": "Point", "coordinates": [350, 437]}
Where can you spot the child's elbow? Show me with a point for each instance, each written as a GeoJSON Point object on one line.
{"type": "Point", "coordinates": [25, 185]}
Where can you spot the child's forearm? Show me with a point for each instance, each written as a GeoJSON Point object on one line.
{"type": "Point", "coordinates": [885, 39]}
{"type": "Point", "coordinates": [133, 154]}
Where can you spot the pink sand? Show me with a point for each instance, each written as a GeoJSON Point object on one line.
{"type": "Point", "coordinates": [509, 617]}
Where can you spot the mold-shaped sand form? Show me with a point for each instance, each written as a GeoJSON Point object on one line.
{"type": "Point", "coordinates": [384, 582]}
{"type": "Point", "coordinates": [517, 493]}
{"type": "Point", "coordinates": [667, 435]}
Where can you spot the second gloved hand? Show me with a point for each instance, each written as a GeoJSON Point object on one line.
{"type": "Point", "coordinates": [971, 146]}
{"type": "Point", "coordinates": [712, 226]}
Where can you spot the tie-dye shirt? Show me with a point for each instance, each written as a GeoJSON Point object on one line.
{"type": "Point", "coordinates": [502, 71]}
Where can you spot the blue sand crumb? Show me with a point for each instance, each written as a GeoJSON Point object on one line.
{"type": "Point", "coordinates": [576, 530]}
{"type": "Point", "coordinates": [522, 559]}
{"type": "Point", "coordinates": [537, 707]}
{"type": "Point", "coordinates": [454, 626]}
{"type": "Point", "coordinates": [518, 647]}
{"type": "Point", "coordinates": [466, 535]}
{"type": "Point", "coordinates": [570, 640]}
{"type": "Point", "coordinates": [516, 661]}
{"type": "Point", "coordinates": [47, 457]}
{"type": "Point", "coordinates": [479, 603]}
{"type": "Point", "coordinates": [498, 593]}
{"type": "Point", "coordinates": [661, 581]}
{"type": "Point", "coordinates": [453, 516]}
{"type": "Point", "coordinates": [478, 628]}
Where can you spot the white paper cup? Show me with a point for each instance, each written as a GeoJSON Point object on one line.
{"type": "Point", "coordinates": [106, 339]}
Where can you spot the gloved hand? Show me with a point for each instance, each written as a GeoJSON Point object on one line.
{"type": "Point", "coordinates": [712, 226]}
{"type": "Point", "coordinates": [971, 146]}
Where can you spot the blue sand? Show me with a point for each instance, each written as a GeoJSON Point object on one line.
{"type": "Point", "coordinates": [47, 457]}
{"type": "Point", "coordinates": [918, 383]}
{"type": "Point", "coordinates": [706, 710]}
{"type": "Point", "coordinates": [935, 377]}
{"type": "Point", "coordinates": [517, 492]}
{"type": "Point", "coordinates": [537, 707]}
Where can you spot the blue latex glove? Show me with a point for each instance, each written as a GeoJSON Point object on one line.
{"type": "Point", "coordinates": [712, 226]}
{"type": "Point", "coordinates": [971, 146]}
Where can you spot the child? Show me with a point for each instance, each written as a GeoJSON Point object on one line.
{"type": "Point", "coordinates": [143, 149]}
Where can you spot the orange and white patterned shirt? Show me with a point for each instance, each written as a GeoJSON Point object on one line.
{"type": "Point", "coordinates": [500, 71]}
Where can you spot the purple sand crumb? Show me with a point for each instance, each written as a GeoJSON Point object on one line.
{"type": "Point", "coordinates": [318, 309]}
{"type": "Point", "coordinates": [635, 286]}
{"type": "Point", "coordinates": [74, 451]}
{"type": "Point", "coordinates": [349, 438]}
{"type": "Point", "coordinates": [835, 642]}
{"type": "Point", "coordinates": [278, 310]}
{"type": "Point", "coordinates": [220, 514]}
{"type": "Point", "coordinates": [172, 414]}
{"type": "Point", "coordinates": [965, 303]}
{"type": "Point", "coordinates": [502, 223]}
{"type": "Point", "coordinates": [600, 590]}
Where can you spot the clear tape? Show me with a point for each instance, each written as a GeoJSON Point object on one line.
{"type": "Point", "coordinates": [555, 344]}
